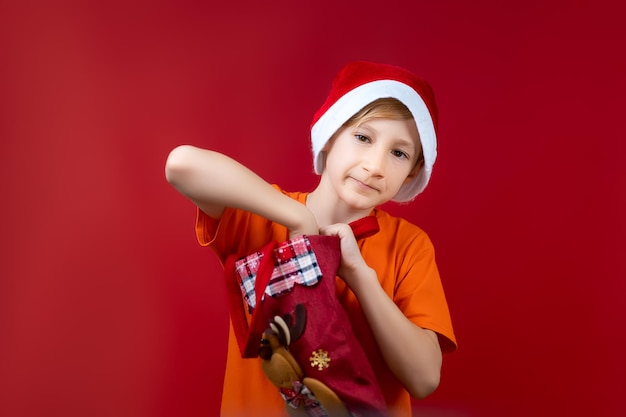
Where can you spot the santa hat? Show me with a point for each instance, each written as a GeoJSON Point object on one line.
{"type": "Point", "coordinates": [358, 84]}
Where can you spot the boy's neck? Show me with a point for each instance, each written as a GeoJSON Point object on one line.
{"type": "Point", "coordinates": [328, 209]}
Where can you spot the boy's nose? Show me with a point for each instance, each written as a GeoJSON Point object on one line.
{"type": "Point", "coordinates": [373, 162]}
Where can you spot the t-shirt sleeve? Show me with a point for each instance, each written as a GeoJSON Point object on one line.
{"type": "Point", "coordinates": [236, 232]}
{"type": "Point", "coordinates": [419, 291]}
{"type": "Point", "coordinates": [206, 228]}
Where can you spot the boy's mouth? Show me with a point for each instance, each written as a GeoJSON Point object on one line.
{"type": "Point", "coordinates": [363, 184]}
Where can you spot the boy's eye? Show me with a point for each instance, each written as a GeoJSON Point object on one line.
{"type": "Point", "coordinates": [400, 154]}
{"type": "Point", "coordinates": [361, 138]}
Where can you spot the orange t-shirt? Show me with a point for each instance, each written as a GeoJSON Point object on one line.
{"type": "Point", "coordinates": [402, 256]}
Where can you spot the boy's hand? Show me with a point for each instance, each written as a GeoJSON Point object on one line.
{"type": "Point", "coordinates": [353, 267]}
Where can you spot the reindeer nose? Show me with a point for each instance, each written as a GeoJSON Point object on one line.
{"type": "Point", "coordinates": [265, 350]}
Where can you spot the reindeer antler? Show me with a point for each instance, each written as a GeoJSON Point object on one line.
{"type": "Point", "coordinates": [289, 328]}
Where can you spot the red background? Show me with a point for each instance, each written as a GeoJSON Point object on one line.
{"type": "Point", "coordinates": [108, 307]}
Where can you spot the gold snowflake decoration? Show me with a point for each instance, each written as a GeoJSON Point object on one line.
{"type": "Point", "coordinates": [320, 359]}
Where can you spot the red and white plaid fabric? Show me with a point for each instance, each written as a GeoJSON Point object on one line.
{"type": "Point", "coordinates": [302, 395]}
{"type": "Point", "coordinates": [294, 263]}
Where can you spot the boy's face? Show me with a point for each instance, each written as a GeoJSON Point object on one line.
{"type": "Point", "coordinates": [367, 164]}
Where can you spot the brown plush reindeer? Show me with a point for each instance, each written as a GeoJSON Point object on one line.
{"type": "Point", "coordinates": [303, 396]}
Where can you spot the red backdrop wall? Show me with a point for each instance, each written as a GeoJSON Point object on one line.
{"type": "Point", "coordinates": [110, 308]}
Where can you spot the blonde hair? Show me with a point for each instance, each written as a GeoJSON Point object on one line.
{"type": "Point", "coordinates": [382, 108]}
{"type": "Point", "coordinates": [388, 108]}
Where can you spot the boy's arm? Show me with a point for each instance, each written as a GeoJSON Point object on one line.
{"type": "Point", "coordinates": [413, 354]}
{"type": "Point", "coordinates": [214, 181]}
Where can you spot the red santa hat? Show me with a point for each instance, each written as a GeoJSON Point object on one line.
{"type": "Point", "coordinates": [358, 84]}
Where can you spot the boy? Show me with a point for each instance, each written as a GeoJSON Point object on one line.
{"type": "Point", "coordinates": [374, 140]}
